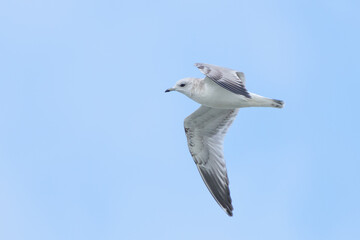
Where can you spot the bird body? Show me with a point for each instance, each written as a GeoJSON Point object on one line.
{"type": "Point", "coordinates": [208, 93]}
{"type": "Point", "coordinates": [221, 93]}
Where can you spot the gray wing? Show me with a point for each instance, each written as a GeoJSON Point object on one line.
{"type": "Point", "coordinates": [227, 78]}
{"type": "Point", "coordinates": [205, 130]}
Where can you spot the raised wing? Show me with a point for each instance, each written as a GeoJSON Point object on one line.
{"type": "Point", "coordinates": [205, 130]}
{"type": "Point", "coordinates": [227, 78]}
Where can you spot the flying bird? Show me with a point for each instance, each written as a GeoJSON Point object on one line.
{"type": "Point", "coordinates": [221, 93]}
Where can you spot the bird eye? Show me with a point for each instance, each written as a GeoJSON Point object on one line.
{"type": "Point", "coordinates": [182, 85]}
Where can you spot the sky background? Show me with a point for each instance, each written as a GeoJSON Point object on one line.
{"type": "Point", "coordinates": [92, 148]}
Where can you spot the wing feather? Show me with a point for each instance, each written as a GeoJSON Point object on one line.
{"type": "Point", "coordinates": [227, 78]}
{"type": "Point", "coordinates": [205, 131]}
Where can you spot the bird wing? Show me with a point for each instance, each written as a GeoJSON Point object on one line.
{"type": "Point", "coordinates": [205, 130]}
{"type": "Point", "coordinates": [227, 78]}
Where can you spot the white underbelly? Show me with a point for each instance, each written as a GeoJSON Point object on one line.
{"type": "Point", "coordinates": [218, 97]}
{"type": "Point", "coordinates": [228, 103]}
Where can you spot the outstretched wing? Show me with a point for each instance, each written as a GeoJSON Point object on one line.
{"type": "Point", "coordinates": [227, 78]}
{"type": "Point", "coordinates": [205, 130]}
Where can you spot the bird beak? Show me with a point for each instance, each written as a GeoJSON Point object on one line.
{"type": "Point", "coordinates": [169, 89]}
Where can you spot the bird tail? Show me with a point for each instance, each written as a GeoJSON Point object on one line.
{"type": "Point", "coordinates": [277, 103]}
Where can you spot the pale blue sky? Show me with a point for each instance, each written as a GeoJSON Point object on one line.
{"type": "Point", "coordinates": [92, 148]}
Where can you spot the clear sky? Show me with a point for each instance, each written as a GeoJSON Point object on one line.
{"type": "Point", "coordinates": [92, 148]}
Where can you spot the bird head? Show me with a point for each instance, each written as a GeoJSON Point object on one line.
{"type": "Point", "coordinates": [183, 86]}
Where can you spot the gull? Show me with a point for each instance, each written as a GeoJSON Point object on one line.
{"type": "Point", "coordinates": [221, 93]}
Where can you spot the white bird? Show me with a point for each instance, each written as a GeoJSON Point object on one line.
{"type": "Point", "coordinates": [221, 93]}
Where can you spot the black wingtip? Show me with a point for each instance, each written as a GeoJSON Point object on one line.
{"type": "Point", "coordinates": [229, 209]}
{"type": "Point", "coordinates": [199, 65]}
